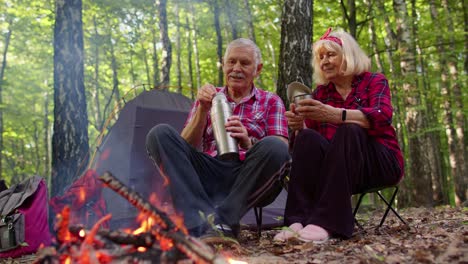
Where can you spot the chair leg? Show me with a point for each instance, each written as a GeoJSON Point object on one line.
{"type": "Point", "coordinates": [258, 217]}
{"type": "Point", "coordinates": [390, 207]}
{"type": "Point", "coordinates": [356, 210]}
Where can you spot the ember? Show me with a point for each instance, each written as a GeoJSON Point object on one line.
{"type": "Point", "coordinates": [158, 239]}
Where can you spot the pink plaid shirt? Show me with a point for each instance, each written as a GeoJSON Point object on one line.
{"type": "Point", "coordinates": [262, 114]}
{"type": "Point", "coordinates": [371, 94]}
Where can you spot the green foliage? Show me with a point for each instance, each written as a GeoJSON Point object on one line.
{"type": "Point", "coordinates": [119, 38]}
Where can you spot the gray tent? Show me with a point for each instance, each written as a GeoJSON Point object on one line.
{"type": "Point", "coordinates": [123, 153]}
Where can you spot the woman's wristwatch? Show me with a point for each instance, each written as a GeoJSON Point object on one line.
{"type": "Point", "coordinates": [343, 115]}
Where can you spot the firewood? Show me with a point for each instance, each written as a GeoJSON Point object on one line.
{"type": "Point", "coordinates": [192, 247]}
{"type": "Point", "coordinates": [145, 239]}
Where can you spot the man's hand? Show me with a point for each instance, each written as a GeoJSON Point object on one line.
{"type": "Point", "coordinates": [205, 95]}
{"type": "Point", "coordinates": [295, 121]}
{"type": "Point", "coordinates": [238, 131]}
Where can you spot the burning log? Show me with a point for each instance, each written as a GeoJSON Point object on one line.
{"type": "Point", "coordinates": [190, 246]}
{"type": "Point", "coordinates": [145, 239]}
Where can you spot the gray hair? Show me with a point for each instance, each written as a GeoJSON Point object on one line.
{"type": "Point", "coordinates": [243, 42]}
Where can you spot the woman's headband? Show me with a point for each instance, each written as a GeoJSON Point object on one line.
{"type": "Point", "coordinates": [327, 36]}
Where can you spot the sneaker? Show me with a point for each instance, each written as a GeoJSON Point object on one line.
{"type": "Point", "coordinates": [217, 237]}
{"type": "Point", "coordinates": [229, 231]}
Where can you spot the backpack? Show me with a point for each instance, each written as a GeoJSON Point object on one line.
{"type": "Point", "coordinates": [24, 218]}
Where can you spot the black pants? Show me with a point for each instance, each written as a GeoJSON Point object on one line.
{"type": "Point", "coordinates": [325, 174]}
{"type": "Point", "coordinates": [201, 184]}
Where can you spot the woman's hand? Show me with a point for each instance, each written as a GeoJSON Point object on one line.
{"type": "Point", "coordinates": [318, 111]}
{"type": "Point", "coordinates": [238, 131]}
{"type": "Point", "coordinates": [295, 121]}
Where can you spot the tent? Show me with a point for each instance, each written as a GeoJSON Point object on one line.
{"type": "Point", "coordinates": [123, 153]}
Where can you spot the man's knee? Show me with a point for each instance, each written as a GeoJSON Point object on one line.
{"type": "Point", "coordinates": [158, 136]}
{"type": "Point", "coordinates": [274, 147]}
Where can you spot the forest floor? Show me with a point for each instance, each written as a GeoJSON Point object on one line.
{"type": "Point", "coordinates": [434, 235]}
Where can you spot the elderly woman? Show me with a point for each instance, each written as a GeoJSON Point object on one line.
{"type": "Point", "coordinates": [344, 141]}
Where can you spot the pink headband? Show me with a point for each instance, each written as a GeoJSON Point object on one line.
{"type": "Point", "coordinates": [327, 36]}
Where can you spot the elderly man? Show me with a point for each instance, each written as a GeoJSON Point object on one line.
{"type": "Point", "coordinates": [201, 183]}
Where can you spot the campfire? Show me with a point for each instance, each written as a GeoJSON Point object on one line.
{"type": "Point", "coordinates": [159, 239]}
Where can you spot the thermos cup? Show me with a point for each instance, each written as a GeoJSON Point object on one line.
{"type": "Point", "coordinates": [220, 112]}
{"type": "Point", "coordinates": [297, 91]}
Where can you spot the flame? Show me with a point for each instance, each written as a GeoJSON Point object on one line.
{"type": "Point", "coordinates": [82, 233]}
{"type": "Point", "coordinates": [62, 223]}
{"type": "Point", "coordinates": [82, 195]}
{"type": "Point", "coordinates": [67, 260]}
{"type": "Point", "coordinates": [141, 249]}
{"type": "Point", "coordinates": [146, 224]}
{"type": "Point", "coordinates": [165, 243]}
{"type": "Point", "coordinates": [233, 261]}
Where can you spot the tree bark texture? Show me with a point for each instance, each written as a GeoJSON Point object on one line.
{"type": "Point", "coordinates": [2, 74]}
{"type": "Point", "coordinates": [70, 138]}
{"type": "Point", "coordinates": [420, 146]}
{"type": "Point", "coordinates": [296, 46]}
{"type": "Point", "coordinates": [219, 38]}
{"type": "Point", "coordinates": [178, 48]}
{"type": "Point", "coordinates": [189, 58]}
{"type": "Point", "coordinates": [459, 158]}
{"type": "Point", "coordinates": [166, 44]}
{"type": "Point", "coordinates": [231, 14]}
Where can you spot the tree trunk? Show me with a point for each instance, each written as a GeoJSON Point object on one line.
{"type": "Point", "coordinates": [250, 21]}
{"type": "Point", "coordinates": [419, 143]}
{"type": "Point", "coordinates": [295, 47]}
{"type": "Point", "coordinates": [231, 14]}
{"type": "Point", "coordinates": [373, 39]}
{"type": "Point", "coordinates": [2, 74]}
{"type": "Point", "coordinates": [156, 72]}
{"type": "Point", "coordinates": [349, 12]}
{"type": "Point", "coordinates": [166, 44]}
{"type": "Point", "coordinates": [115, 77]}
{"type": "Point", "coordinates": [46, 128]}
{"type": "Point", "coordinates": [195, 50]}
{"type": "Point", "coordinates": [95, 93]}
{"type": "Point", "coordinates": [219, 38]}
{"type": "Point", "coordinates": [70, 139]}
{"type": "Point", "coordinates": [458, 157]}
{"type": "Point", "coordinates": [178, 48]}
{"type": "Point", "coordinates": [189, 58]}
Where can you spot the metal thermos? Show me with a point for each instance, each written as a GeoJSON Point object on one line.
{"type": "Point", "coordinates": [220, 112]}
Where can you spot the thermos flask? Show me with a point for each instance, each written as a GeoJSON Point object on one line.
{"type": "Point", "coordinates": [220, 112]}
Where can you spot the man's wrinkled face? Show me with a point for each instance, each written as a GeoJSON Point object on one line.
{"type": "Point", "coordinates": [240, 69]}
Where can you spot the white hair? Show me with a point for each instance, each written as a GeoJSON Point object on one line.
{"type": "Point", "coordinates": [355, 61]}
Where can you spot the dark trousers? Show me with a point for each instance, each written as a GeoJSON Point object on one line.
{"type": "Point", "coordinates": [201, 184]}
{"type": "Point", "coordinates": [325, 174]}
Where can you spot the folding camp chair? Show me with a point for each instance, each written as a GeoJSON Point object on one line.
{"type": "Point", "coordinates": [388, 203]}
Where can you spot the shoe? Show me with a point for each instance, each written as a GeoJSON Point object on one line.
{"type": "Point", "coordinates": [288, 232]}
{"type": "Point", "coordinates": [313, 233]}
{"type": "Point", "coordinates": [217, 237]}
{"type": "Point", "coordinates": [229, 231]}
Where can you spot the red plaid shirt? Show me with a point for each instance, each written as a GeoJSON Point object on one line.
{"type": "Point", "coordinates": [371, 95]}
{"type": "Point", "coordinates": [262, 114]}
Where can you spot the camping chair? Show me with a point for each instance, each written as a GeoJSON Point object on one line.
{"type": "Point", "coordinates": [258, 209]}
{"type": "Point", "coordinates": [388, 203]}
